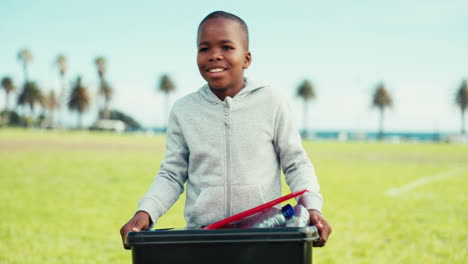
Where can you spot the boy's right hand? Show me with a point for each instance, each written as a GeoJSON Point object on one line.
{"type": "Point", "coordinates": [140, 221]}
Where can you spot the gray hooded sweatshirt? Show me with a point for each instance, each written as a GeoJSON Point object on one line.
{"type": "Point", "coordinates": [230, 154]}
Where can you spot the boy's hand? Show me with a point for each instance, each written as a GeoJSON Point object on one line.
{"type": "Point", "coordinates": [324, 229]}
{"type": "Point", "coordinates": [140, 221]}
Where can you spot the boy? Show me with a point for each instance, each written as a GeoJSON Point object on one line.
{"type": "Point", "coordinates": [228, 141]}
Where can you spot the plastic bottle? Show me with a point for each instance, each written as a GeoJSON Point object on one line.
{"type": "Point", "coordinates": [272, 217]}
{"type": "Point", "coordinates": [301, 217]}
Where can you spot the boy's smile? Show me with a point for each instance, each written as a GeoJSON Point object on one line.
{"type": "Point", "coordinates": [223, 56]}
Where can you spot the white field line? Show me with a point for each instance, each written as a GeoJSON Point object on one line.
{"type": "Point", "coordinates": [423, 181]}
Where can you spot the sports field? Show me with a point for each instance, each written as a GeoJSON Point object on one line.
{"type": "Point", "coordinates": [65, 195]}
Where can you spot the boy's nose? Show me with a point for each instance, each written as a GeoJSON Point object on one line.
{"type": "Point", "coordinates": [216, 56]}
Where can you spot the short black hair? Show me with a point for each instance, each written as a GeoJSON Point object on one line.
{"type": "Point", "coordinates": [226, 15]}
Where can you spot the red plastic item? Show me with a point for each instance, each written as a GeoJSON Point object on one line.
{"type": "Point", "coordinates": [254, 210]}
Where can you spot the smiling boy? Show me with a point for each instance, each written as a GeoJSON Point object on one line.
{"type": "Point", "coordinates": [223, 55]}
{"type": "Point", "coordinates": [228, 141]}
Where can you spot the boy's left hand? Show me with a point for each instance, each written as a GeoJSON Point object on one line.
{"type": "Point", "coordinates": [324, 229]}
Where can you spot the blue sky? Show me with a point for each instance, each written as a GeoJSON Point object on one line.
{"type": "Point", "coordinates": [418, 48]}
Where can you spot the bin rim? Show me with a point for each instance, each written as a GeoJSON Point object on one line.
{"type": "Point", "coordinates": [307, 234]}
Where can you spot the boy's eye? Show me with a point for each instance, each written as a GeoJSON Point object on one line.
{"type": "Point", "coordinates": [202, 49]}
{"type": "Point", "coordinates": [227, 47]}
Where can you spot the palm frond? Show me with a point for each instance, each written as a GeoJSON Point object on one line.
{"type": "Point", "coordinates": [306, 90]}
{"type": "Point", "coordinates": [106, 90]}
{"type": "Point", "coordinates": [79, 98]}
{"type": "Point", "coordinates": [25, 56]}
{"type": "Point", "coordinates": [165, 84]}
{"type": "Point", "coordinates": [62, 64]}
{"type": "Point", "coordinates": [101, 64]}
{"type": "Point", "coordinates": [381, 98]}
{"type": "Point", "coordinates": [30, 95]}
{"type": "Point", "coordinates": [51, 101]}
{"type": "Point", "coordinates": [7, 84]}
{"type": "Point", "coordinates": [461, 96]}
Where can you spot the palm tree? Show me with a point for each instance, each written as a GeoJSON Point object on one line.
{"type": "Point", "coordinates": [166, 86]}
{"type": "Point", "coordinates": [8, 86]}
{"type": "Point", "coordinates": [30, 95]}
{"type": "Point", "coordinates": [105, 90]}
{"type": "Point", "coordinates": [381, 99]}
{"type": "Point", "coordinates": [51, 103]}
{"type": "Point", "coordinates": [461, 99]}
{"type": "Point", "coordinates": [101, 64]}
{"type": "Point", "coordinates": [25, 57]}
{"type": "Point", "coordinates": [62, 64]}
{"type": "Point", "coordinates": [79, 100]}
{"type": "Point", "coordinates": [306, 91]}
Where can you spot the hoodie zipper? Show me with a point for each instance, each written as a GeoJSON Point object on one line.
{"type": "Point", "coordinates": [227, 126]}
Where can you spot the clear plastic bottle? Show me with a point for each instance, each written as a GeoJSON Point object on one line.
{"type": "Point", "coordinates": [272, 217]}
{"type": "Point", "coordinates": [301, 217]}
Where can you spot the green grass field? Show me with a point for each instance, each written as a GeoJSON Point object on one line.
{"type": "Point", "coordinates": [65, 195]}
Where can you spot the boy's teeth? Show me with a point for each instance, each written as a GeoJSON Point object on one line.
{"type": "Point", "coordinates": [215, 70]}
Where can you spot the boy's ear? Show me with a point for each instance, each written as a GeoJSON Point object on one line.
{"type": "Point", "coordinates": [247, 60]}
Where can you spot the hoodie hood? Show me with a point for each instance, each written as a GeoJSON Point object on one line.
{"type": "Point", "coordinates": [250, 86]}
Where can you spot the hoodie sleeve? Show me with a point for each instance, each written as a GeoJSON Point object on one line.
{"type": "Point", "coordinates": [169, 183]}
{"type": "Point", "coordinates": [295, 163]}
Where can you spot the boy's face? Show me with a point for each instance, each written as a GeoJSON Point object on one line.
{"type": "Point", "coordinates": [222, 54]}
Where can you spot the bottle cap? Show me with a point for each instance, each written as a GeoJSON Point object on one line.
{"type": "Point", "coordinates": [288, 211]}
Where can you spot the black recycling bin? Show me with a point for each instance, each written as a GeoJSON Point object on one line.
{"type": "Point", "coordinates": [288, 245]}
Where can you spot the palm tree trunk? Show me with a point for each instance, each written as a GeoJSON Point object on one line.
{"type": "Point", "coordinates": [51, 118]}
{"type": "Point", "coordinates": [304, 118]}
{"type": "Point", "coordinates": [79, 121]}
{"type": "Point", "coordinates": [106, 112]}
{"type": "Point", "coordinates": [7, 109]}
{"type": "Point", "coordinates": [100, 98]}
{"type": "Point", "coordinates": [62, 102]}
{"type": "Point", "coordinates": [31, 115]}
{"type": "Point", "coordinates": [463, 131]}
{"type": "Point", "coordinates": [381, 132]}
{"type": "Point", "coordinates": [25, 69]}
{"type": "Point", "coordinates": [7, 102]}
{"type": "Point", "coordinates": [166, 114]}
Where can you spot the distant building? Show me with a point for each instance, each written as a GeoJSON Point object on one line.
{"type": "Point", "coordinates": [109, 125]}
{"type": "Point", "coordinates": [456, 139]}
